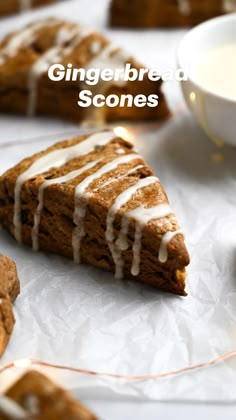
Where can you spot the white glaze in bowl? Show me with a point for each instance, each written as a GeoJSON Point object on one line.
{"type": "Point", "coordinates": [215, 112]}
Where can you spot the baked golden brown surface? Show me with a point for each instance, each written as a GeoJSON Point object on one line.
{"type": "Point", "coordinates": [9, 290]}
{"type": "Point", "coordinates": [95, 199]}
{"type": "Point", "coordinates": [167, 13]}
{"type": "Point", "coordinates": [7, 321]}
{"type": "Point", "coordinates": [15, 6]}
{"type": "Point", "coordinates": [36, 396]}
{"type": "Point", "coordinates": [26, 55]}
{"type": "Point", "coordinates": [9, 281]}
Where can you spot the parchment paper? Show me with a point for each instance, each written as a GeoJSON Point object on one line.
{"type": "Point", "coordinates": [80, 316]}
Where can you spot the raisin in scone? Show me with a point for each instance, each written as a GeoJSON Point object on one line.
{"type": "Point", "coordinates": [35, 396]}
{"type": "Point", "coordinates": [25, 87]}
{"type": "Point", "coordinates": [157, 13]}
{"type": "Point", "coordinates": [93, 198]}
{"type": "Point", "coordinates": [15, 6]}
{"type": "Point", "coordinates": [9, 290]}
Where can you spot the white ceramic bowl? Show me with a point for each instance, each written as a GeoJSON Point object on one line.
{"type": "Point", "coordinates": [216, 113]}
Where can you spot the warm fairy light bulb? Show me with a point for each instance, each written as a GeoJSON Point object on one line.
{"type": "Point", "coordinates": [123, 132]}
{"type": "Point", "coordinates": [22, 363]}
{"type": "Point", "coordinates": [192, 97]}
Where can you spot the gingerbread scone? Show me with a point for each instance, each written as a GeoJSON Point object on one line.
{"type": "Point", "coordinates": [25, 87]}
{"type": "Point", "coordinates": [93, 198]}
{"type": "Point", "coordinates": [9, 290]}
{"type": "Point", "coordinates": [166, 13]}
{"type": "Point", "coordinates": [35, 396]}
{"type": "Point", "coordinates": [15, 6]}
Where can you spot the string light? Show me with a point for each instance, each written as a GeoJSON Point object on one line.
{"type": "Point", "coordinates": [123, 132]}
{"type": "Point", "coordinates": [22, 363]}
{"type": "Point", "coordinates": [128, 133]}
{"type": "Point", "coordinates": [34, 362]}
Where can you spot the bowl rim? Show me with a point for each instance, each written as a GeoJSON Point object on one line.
{"type": "Point", "coordinates": [180, 51]}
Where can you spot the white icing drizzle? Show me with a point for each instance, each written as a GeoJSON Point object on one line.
{"type": "Point", "coordinates": [23, 38]}
{"type": "Point", "coordinates": [95, 47]}
{"type": "Point", "coordinates": [12, 409]}
{"type": "Point", "coordinates": [122, 240]}
{"type": "Point", "coordinates": [120, 151]}
{"type": "Point", "coordinates": [25, 5]}
{"type": "Point", "coordinates": [52, 56]}
{"type": "Point", "coordinates": [46, 184]}
{"type": "Point", "coordinates": [55, 159]}
{"type": "Point", "coordinates": [125, 175]}
{"type": "Point", "coordinates": [229, 6]}
{"type": "Point", "coordinates": [81, 198]}
{"type": "Point", "coordinates": [120, 201]}
{"type": "Point", "coordinates": [31, 403]}
{"type": "Point", "coordinates": [142, 217]}
{"type": "Point", "coordinates": [112, 57]}
{"type": "Point", "coordinates": [184, 7]}
{"type": "Point", "coordinates": [78, 34]}
{"type": "Point", "coordinates": [123, 199]}
{"type": "Point", "coordinates": [163, 251]}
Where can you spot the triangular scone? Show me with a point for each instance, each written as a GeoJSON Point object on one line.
{"type": "Point", "coordinates": [25, 87]}
{"type": "Point", "coordinates": [158, 13]}
{"type": "Point", "coordinates": [95, 199]}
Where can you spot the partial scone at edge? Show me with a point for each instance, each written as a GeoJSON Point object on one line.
{"type": "Point", "coordinates": [26, 88]}
{"type": "Point", "coordinates": [36, 396]}
{"type": "Point", "coordinates": [121, 221]}
{"type": "Point", "coordinates": [13, 6]}
{"type": "Point", "coordinates": [9, 289]}
{"type": "Point", "coordinates": [9, 281]}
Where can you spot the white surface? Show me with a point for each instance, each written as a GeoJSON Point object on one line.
{"type": "Point", "coordinates": [134, 329]}
{"type": "Point", "coordinates": [215, 111]}
{"type": "Point", "coordinates": [205, 323]}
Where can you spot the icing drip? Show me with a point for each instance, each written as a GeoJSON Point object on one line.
{"type": "Point", "coordinates": [81, 198]}
{"type": "Point", "coordinates": [120, 151]}
{"type": "Point", "coordinates": [46, 184]}
{"type": "Point", "coordinates": [163, 252]}
{"type": "Point", "coordinates": [95, 47]}
{"type": "Point", "coordinates": [107, 57]}
{"type": "Point", "coordinates": [56, 158]}
{"type": "Point", "coordinates": [229, 6]}
{"type": "Point", "coordinates": [11, 409]}
{"type": "Point", "coordinates": [120, 201]}
{"type": "Point", "coordinates": [23, 38]}
{"type": "Point", "coordinates": [32, 404]}
{"type": "Point", "coordinates": [111, 57]}
{"type": "Point", "coordinates": [125, 175]}
{"type": "Point", "coordinates": [74, 36]}
{"type": "Point", "coordinates": [142, 217]}
{"type": "Point", "coordinates": [52, 56]}
{"type": "Point", "coordinates": [25, 5]}
{"type": "Point", "coordinates": [184, 7]}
